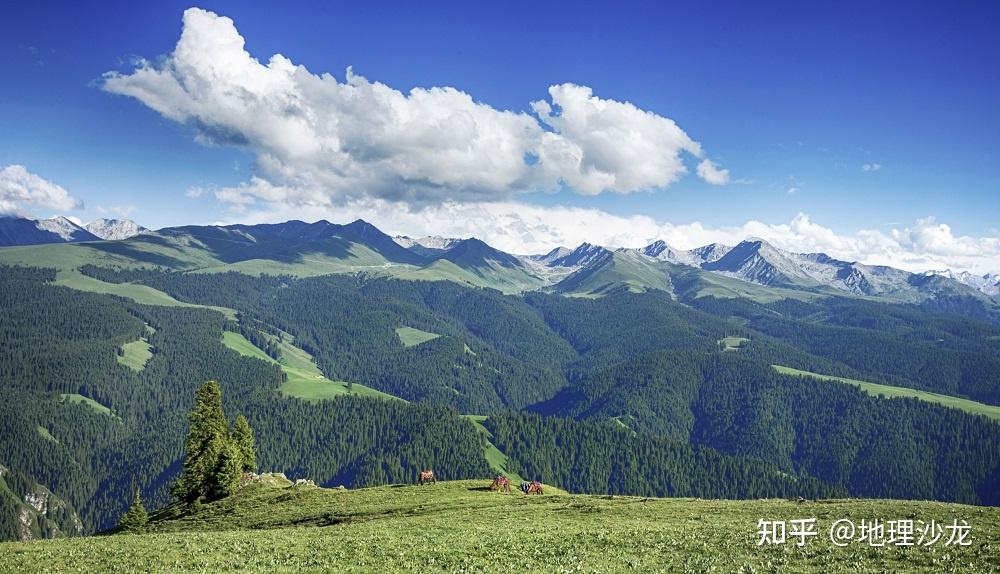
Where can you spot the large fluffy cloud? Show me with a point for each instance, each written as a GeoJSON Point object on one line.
{"type": "Point", "coordinates": [319, 141]}
{"type": "Point", "coordinates": [930, 238]}
{"type": "Point", "coordinates": [20, 190]}
{"type": "Point", "coordinates": [602, 145]}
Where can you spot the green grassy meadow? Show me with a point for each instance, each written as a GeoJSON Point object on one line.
{"type": "Point", "coordinates": [966, 405]}
{"type": "Point", "coordinates": [411, 337]}
{"type": "Point", "coordinates": [491, 276]}
{"type": "Point", "coordinates": [46, 434]}
{"type": "Point", "coordinates": [136, 354]}
{"type": "Point", "coordinates": [620, 271]}
{"type": "Point", "coordinates": [732, 343]}
{"type": "Point", "coordinates": [63, 256]}
{"type": "Point", "coordinates": [138, 293]}
{"type": "Point", "coordinates": [692, 284]}
{"type": "Point", "coordinates": [462, 527]}
{"type": "Point", "coordinates": [75, 398]}
{"type": "Point", "coordinates": [304, 379]}
{"type": "Point", "coordinates": [359, 259]}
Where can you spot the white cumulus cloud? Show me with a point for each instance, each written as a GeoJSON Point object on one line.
{"type": "Point", "coordinates": [602, 145]}
{"type": "Point", "coordinates": [871, 167]}
{"type": "Point", "coordinates": [934, 239]}
{"type": "Point", "coordinates": [20, 189]}
{"type": "Point", "coordinates": [711, 173]}
{"type": "Point", "coordinates": [319, 141]}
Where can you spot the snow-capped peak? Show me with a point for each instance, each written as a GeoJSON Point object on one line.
{"type": "Point", "coordinates": [583, 255]}
{"type": "Point", "coordinates": [115, 229]}
{"type": "Point", "coordinates": [663, 251]}
{"type": "Point", "coordinates": [988, 283]}
{"type": "Point", "coordinates": [546, 258]}
{"type": "Point", "coordinates": [61, 226]}
{"type": "Point", "coordinates": [430, 241]}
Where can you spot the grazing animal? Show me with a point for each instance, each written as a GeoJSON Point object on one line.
{"type": "Point", "coordinates": [534, 488]}
{"type": "Point", "coordinates": [427, 476]}
{"type": "Point", "coordinates": [501, 484]}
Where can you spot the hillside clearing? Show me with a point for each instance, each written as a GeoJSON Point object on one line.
{"type": "Point", "coordinates": [966, 405]}
{"type": "Point", "coordinates": [304, 379]}
{"type": "Point", "coordinates": [75, 398]}
{"type": "Point", "coordinates": [46, 434]}
{"type": "Point", "coordinates": [497, 460]}
{"type": "Point", "coordinates": [732, 343]}
{"type": "Point", "coordinates": [411, 337]}
{"type": "Point", "coordinates": [139, 293]}
{"type": "Point", "coordinates": [460, 527]}
{"type": "Point", "coordinates": [136, 354]}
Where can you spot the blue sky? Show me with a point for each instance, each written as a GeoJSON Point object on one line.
{"type": "Point", "coordinates": [796, 96]}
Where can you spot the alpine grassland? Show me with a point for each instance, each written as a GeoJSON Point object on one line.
{"type": "Point", "coordinates": [460, 526]}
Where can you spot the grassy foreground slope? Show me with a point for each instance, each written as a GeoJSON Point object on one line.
{"type": "Point", "coordinates": [460, 527]}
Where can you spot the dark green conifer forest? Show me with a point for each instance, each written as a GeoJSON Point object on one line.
{"type": "Point", "coordinates": [630, 393]}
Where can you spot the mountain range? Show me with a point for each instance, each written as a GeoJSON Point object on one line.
{"type": "Point", "coordinates": [59, 229]}
{"type": "Point", "coordinates": [754, 268]}
{"type": "Point", "coordinates": [988, 283]}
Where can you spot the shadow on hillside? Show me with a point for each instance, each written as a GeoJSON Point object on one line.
{"type": "Point", "coordinates": [479, 489]}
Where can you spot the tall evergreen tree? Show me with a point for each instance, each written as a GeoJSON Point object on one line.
{"type": "Point", "coordinates": [228, 471]}
{"type": "Point", "coordinates": [243, 440]}
{"type": "Point", "coordinates": [207, 439]}
{"type": "Point", "coordinates": [136, 519]}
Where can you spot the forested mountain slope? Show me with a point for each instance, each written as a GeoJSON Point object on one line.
{"type": "Point", "coordinates": [633, 388]}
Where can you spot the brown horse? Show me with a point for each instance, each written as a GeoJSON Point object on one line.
{"type": "Point", "coordinates": [427, 476]}
{"type": "Point", "coordinates": [534, 488]}
{"type": "Point", "coordinates": [501, 484]}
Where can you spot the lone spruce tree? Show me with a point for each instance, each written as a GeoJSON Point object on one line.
{"type": "Point", "coordinates": [243, 440]}
{"type": "Point", "coordinates": [207, 440]}
{"type": "Point", "coordinates": [136, 519]}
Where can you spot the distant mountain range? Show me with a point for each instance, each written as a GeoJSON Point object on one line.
{"type": "Point", "coordinates": [988, 283]}
{"type": "Point", "coordinates": [753, 268]}
{"type": "Point", "coordinates": [23, 231]}
{"type": "Point", "coordinates": [753, 261]}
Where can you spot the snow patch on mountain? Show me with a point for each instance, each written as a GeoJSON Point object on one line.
{"type": "Point", "coordinates": [429, 242]}
{"type": "Point", "coordinates": [65, 229]}
{"type": "Point", "coordinates": [988, 284]}
{"type": "Point", "coordinates": [115, 229]}
{"type": "Point", "coordinates": [549, 257]}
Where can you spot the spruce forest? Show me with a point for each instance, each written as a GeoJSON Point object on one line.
{"type": "Point", "coordinates": [630, 393]}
